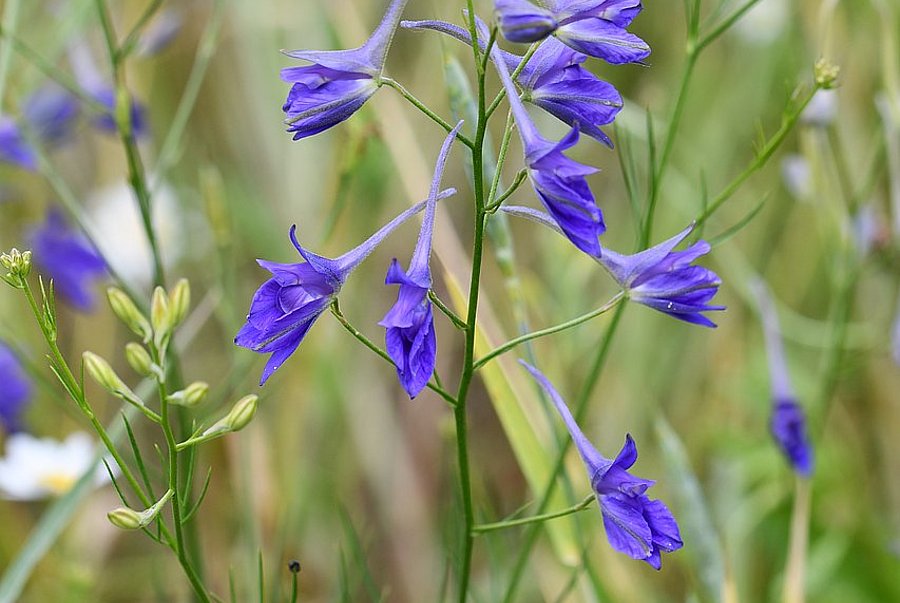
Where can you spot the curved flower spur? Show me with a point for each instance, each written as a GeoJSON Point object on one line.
{"type": "Point", "coordinates": [338, 82]}
{"type": "Point", "coordinates": [285, 307]}
{"type": "Point", "coordinates": [409, 324]}
{"type": "Point", "coordinates": [635, 525]}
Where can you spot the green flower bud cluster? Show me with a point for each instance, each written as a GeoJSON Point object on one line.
{"type": "Point", "coordinates": [18, 267]}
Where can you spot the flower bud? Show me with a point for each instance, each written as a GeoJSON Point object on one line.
{"type": "Point", "coordinates": [139, 359]}
{"type": "Point", "coordinates": [128, 313]}
{"type": "Point", "coordinates": [125, 518]}
{"type": "Point", "coordinates": [237, 418]}
{"type": "Point", "coordinates": [190, 396]}
{"type": "Point", "coordinates": [179, 301]}
{"type": "Point", "coordinates": [101, 372]}
{"type": "Point", "coordinates": [18, 266]}
{"type": "Point", "coordinates": [160, 317]}
{"type": "Point", "coordinates": [826, 74]}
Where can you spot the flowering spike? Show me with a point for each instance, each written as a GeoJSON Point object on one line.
{"type": "Point", "coordinates": [635, 525]}
{"type": "Point", "coordinates": [338, 82]}
{"type": "Point", "coordinates": [285, 307]}
{"type": "Point", "coordinates": [788, 421]}
{"type": "Point", "coordinates": [409, 324]}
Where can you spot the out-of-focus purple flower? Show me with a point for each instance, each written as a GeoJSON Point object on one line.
{"type": "Point", "coordinates": [788, 422]}
{"type": "Point", "coordinates": [160, 33]}
{"type": "Point", "coordinates": [51, 112]}
{"type": "Point", "coordinates": [409, 324]}
{"type": "Point", "coordinates": [635, 525]}
{"type": "Point", "coordinates": [99, 88]}
{"type": "Point", "coordinates": [554, 80]}
{"type": "Point", "coordinates": [338, 82]}
{"type": "Point", "coordinates": [558, 181]}
{"type": "Point", "coordinates": [13, 148]}
{"type": "Point", "coordinates": [667, 280]}
{"type": "Point", "coordinates": [593, 27]}
{"type": "Point", "coordinates": [797, 176]}
{"type": "Point", "coordinates": [15, 389]}
{"type": "Point", "coordinates": [68, 258]}
{"type": "Point", "coordinates": [285, 307]}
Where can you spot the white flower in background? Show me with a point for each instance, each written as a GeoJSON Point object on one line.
{"type": "Point", "coordinates": [822, 109]}
{"type": "Point", "coordinates": [35, 468]}
{"type": "Point", "coordinates": [119, 230]}
{"type": "Point", "coordinates": [763, 23]}
{"type": "Point", "coordinates": [797, 176]}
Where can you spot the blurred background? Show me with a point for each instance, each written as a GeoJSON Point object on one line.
{"type": "Point", "coordinates": [340, 470]}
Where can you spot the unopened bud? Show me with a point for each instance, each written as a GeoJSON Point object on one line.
{"type": "Point", "coordinates": [190, 396]}
{"type": "Point", "coordinates": [139, 359]}
{"type": "Point", "coordinates": [125, 518]}
{"type": "Point", "coordinates": [179, 301]}
{"type": "Point", "coordinates": [129, 519]}
{"type": "Point", "coordinates": [826, 74]}
{"type": "Point", "coordinates": [159, 311]}
{"type": "Point", "coordinates": [101, 372]}
{"type": "Point", "coordinates": [237, 418]}
{"type": "Point", "coordinates": [128, 313]}
{"type": "Point", "coordinates": [17, 264]}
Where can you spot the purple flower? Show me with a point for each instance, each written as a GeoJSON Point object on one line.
{"type": "Point", "coordinates": [338, 82]}
{"type": "Point", "coordinates": [15, 389]}
{"type": "Point", "coordinates": [160, 33]}
{"type": "Point", "coordinates": [409, 337]}
{"type": "Point", "coordinates": [667, 280]}
{"type": "Point", "coordinates": [658, 277]}
{"type": "Point", "coordinates": [51, 112]}
{"type": "Point", "coordinates": [13, 148]}
{"type": "Point", "coordinates": [99, 88]}
{"type": "Point", "coordinates": [68, 259]}
{"type": "Point", "coordinates": [788, 422]}
{"type": "Point", "coordinates": [558, 181]}
{"type": "Point", "coordinates": [593, 27]}
{"type": "Point", "coordinates": [285, 307]}
{"type": "Point", "coordinates": [635, 525]}
{"type": "Point", "coordinates": [555, 81]}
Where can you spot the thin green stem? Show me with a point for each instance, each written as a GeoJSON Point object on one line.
{"type": "Point", "coordinates": [502, 94]}
{"type": "Point", "coordinates": [616, 299]}
{"type": "Point", "coordinates": [10, 22]}
{"type": "Point", "coordinates": [762, 157]}
{"type": "Point", "coordinates": [510, 523]}
{"type": "Point", "coordinates": [501, 159]}
{"type": "Point", "coordinates": [425, 110]}
{"type": "Point", "coordinates": [468, 370]}
{"type": "Point", "coordinates": [520, 178]}
{"type": "Point", "coordinates": [336, 312]}
{"type": "Point", "coordinates": [131, 40]}
{"type": "Point", "coordinates": [458, 322]}
{"type": "Point", "coordinates": [725, 25]}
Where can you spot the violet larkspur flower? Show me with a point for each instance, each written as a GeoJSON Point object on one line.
{"type": "Point", "coordinates": [788, 422]}
{"type": "Point", "coordinates": [409, 324]}
{"type": "Point", "coordinates": [554, 80]}
{"type": "Point", "coordinates": [68, 258]}
{"type": "Point", "coordinates": [558, 181]}
{"type": "Point", "coordinates": [658, 277]}
{"type": "Point", "coordinates": [15, 389]}
{"type": "Point", "coordinates": [338, 82]}
{"type": "Point", "coordinates": [13, 148]}
{"type": "Point", "coordinates": [285, 307]}
{"type": "Point", "coordinates": [635, 525]}
{"type": "Point", "coordinates": [593, 27]}
{"type": "Point", "coordinates": [51, 112]}
{"type": "Point", "coordinates": [667, 280]}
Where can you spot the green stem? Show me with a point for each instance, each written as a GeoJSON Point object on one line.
{"type": "Point", "coordinates": [336, 312]}
{"type": "Point", "coordinates": [458, 322]}
{"type": "Point", "coordinates": [520, 178]}
{"type": "Point", "coordinates": [612, 303]}
{"type": "Point", "coordinates": [502, 94]}
{"type": "Point", "coordinates": [10, 21]}
{"type": "Point", "coordinates": [502, 525]}
{"type": "Point", "coordinates": [761, 158]}
{"type": "Point", "coordinates": [424, 109]}
{"type": "Point", "coordinates": [133, 37]}
{"type": "Point", "coordinates": [501, 159]}
{"type": "Point", "coordinates": [468, 371]}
